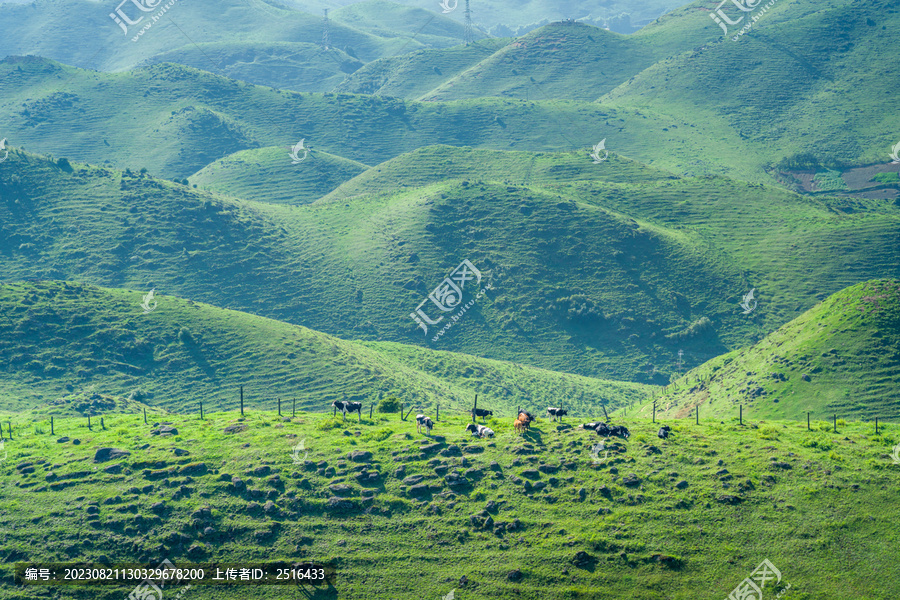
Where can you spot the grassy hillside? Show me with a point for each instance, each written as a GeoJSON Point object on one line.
{"type": "Point", "coordinates": [62, 341]}
{"type": "Point", "coordinates": [95, 41]}
{"type": "Point", "coordinates": [300, 66]}
{"type": "Point", "coordinates": [594, 277]}
{"type": "Point", "coordinates": [533, 518]}
{"type": "Point", "coordinates": [269, 175]}
{"type": "Point", "coordinates": [840, 357]}
{"type": "Point", "coordinates": [813, 85]}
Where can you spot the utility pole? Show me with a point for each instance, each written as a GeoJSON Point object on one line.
{"type": "Point", "coordinates": [469, 37]}
{"type": "Point", "coordinates": [326, 35]}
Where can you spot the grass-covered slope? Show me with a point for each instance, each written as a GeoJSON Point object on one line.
{"type": "Point", "coordinates": [58, 339]}
{"type": "Point", "coordinates": [841, 357]}
{"type": "Point", "coordinates": [814, 85]}
{"type": "Point", "coordinates": [270, 175]}
{"type": "Point", "coordinates": [94, 40]}
{"type": "Point", "coordinates": [297, 66]}
{"type": "Point", "coordinates": [535, 518]}
{"type": "Point", "coordinates": [595, 277]}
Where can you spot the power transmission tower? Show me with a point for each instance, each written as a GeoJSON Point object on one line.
{"type": "Point", "coordinates": [468, 24]}
{"type": "Point", "coordinates": [326, 37]}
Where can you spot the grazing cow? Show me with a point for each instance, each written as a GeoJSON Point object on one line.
{"type": "Point", "coordinates": [523, 421]}
{"type": "Point", "coordinates": [594, 425]}
{"type": "Point", "coordinates": [619, 431]}
{"type": "Point", "coordinates": [602, 429]}
{"type": "Point", "coordinates": [663, 432]}
{"type": "Point", "coordinates": [344, 406]}
{"type": "Point", "coordinates": [556, 413]}
{"type": "Point", "coordinates": [481, 412]}
{"type": "Point", "coordinates": [479, 430]}
{"type": "Point", "coordinates": [424, 422]}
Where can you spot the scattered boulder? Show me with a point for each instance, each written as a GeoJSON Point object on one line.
{"type": "Point", "coordinates": [164, 430]}
{"type": "Point", "coordinates": [62, 440]}
{"type": "Point", "coordinates": [631, 480]}
{"type": "Point", "coordinates": [681, 484]}
{"type": "Point", "coordinates": [531, 474]}
{"type": "Point", "coordinates": [728, 499]}
{"type": "Point", "coordinates": [515, 575]}
{"type": "Point", "coordinates": [237, 428]}
{"type": "Point", "coordinates": [452, 450]}
{"type": "Point", "coordinates": [413, 479]}
{"type": "Point", "coordinates": [583, 560]}
{"type": "Point", "coordinates": [360, 456]}
{"type": "Point", "coordinates": [105, 454]}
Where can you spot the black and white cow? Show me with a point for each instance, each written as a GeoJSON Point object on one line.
{"type": "Point", "coordinates": [481, 412]}
{"type": "Point", "coordinates": [344, 406]}
{"type": "Point", "coordinates": [663, 432]}
{"type": "Point", "coordinates": [556, 413]}
{"type": "Point", "coordinates": [479, 430]}
{"type": "Point", "coordinates": [619, 431]}
{"type": "Point", "coordinates": [423, 422]}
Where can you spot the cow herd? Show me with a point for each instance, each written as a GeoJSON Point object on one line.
{"type": "Point", "coordinates": [522, 423]}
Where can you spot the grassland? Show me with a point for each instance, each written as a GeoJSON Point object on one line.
{"type": "Point", "coordinates": [512, 515]}
{"type": "Point", "coordinates": [62, 343]}
{"type": "Point", "coordinates": [842, 357]}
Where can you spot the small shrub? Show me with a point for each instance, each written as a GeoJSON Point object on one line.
{"type": "Point", "coordinates": [329, 424]}
{"type": "Point", "coordinates": [768, 433]}
{"type": "Point", "coordinates": [886, 177]}
{"type": "Point", "coordinates": [391, 404]}
{"type": "Point", "coordinates": [378, 435]}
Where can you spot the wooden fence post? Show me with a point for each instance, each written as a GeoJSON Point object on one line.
{"type": "Point", "coordinates": [279, 406]}
{"type": "Point", "coordinates": [89, 421]}
{"type": "Point", "coordinates": [475, 408]}
{"type": "Point", "coordinates": [698, 414]}
{"type": "Point", "coordinates": [51, 426]}
{"type": "Point", "coordinates": [438, 416]}
{"type": "Point", "coordinates": [145, 415]}
{"type": "Point", "coordinates": [654, 411]}
{"type": "Point", "coordinates": [807, 422]}
{"type": "Point", "coordinates": [102, 424]}
{"type": "Point", "coordinates": [876, 425]}
{"type": "Point", "coordinates": [10, 429]}
{"type": "Point", "coordinates": [741, 413]}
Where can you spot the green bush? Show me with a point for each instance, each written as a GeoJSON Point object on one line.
{"type": "Point", "coordinates": [887, 177]}
{"type": "Point", "coordinates": [329, 424]}
{"type": "Point", "coordinates": [391, 404]}
{"type": "Point", "coordinates": [822, 443]}
{"type": "Point", "coordinates": [378, 435]}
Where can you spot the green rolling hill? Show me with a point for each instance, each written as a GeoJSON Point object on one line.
{"type": "Point", "coordinates": [841, 357]}
{"type": "Point", "coordinates": [269, 175]}
{"type": "Point", "coordinates": [63, 340]}
{"type": "Point", "coordinates": [596, 277]}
